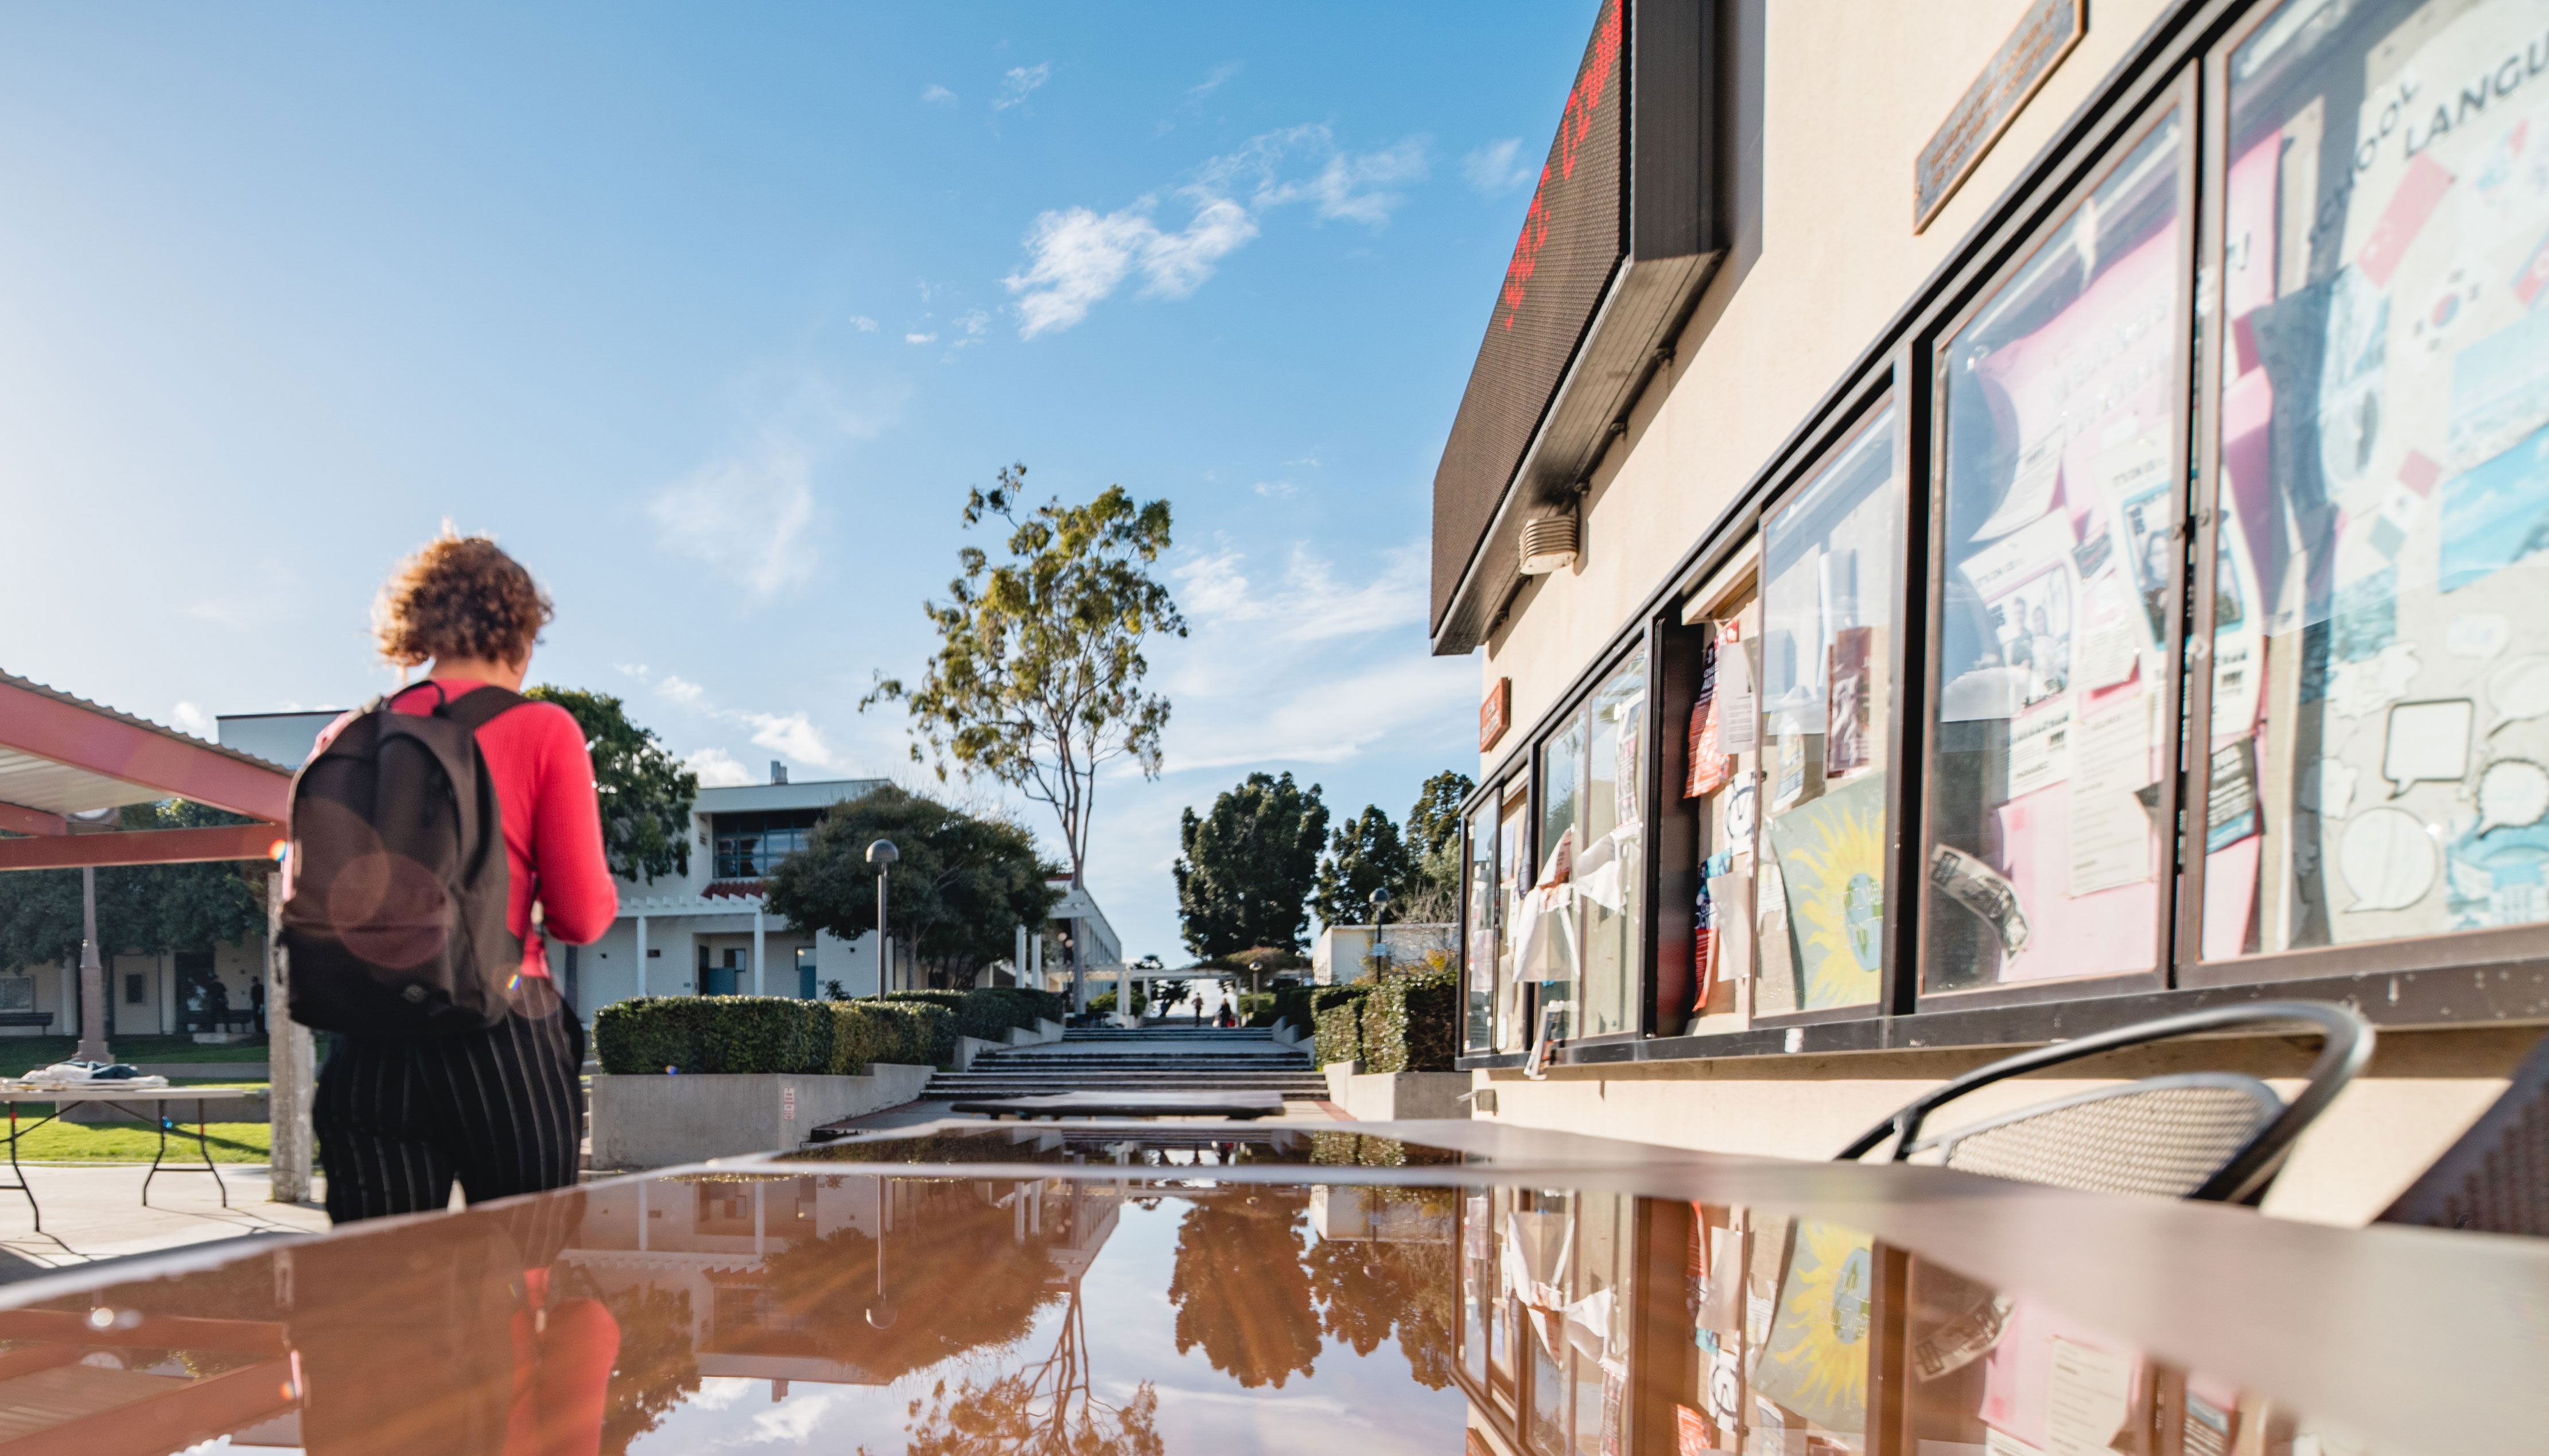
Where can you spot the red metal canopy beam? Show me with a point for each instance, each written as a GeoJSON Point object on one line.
{"type": "Point", "coordinates": [108, 742]}
{"type": "Point", "coordinates": [19, 819]}
{"type": "Point", "coordinates": [141, 846]}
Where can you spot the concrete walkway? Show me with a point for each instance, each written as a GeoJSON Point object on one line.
{"type": "Point", "coordinates": [94, 1211]}
{"type": "Point", "coordinates": [932, 1109]}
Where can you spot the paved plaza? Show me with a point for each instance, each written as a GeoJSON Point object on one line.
{"type": "Point", "coordinates": [94, 1212]}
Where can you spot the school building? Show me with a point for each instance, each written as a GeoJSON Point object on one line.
{"type": "Point", "coordinates": [1986, 522]}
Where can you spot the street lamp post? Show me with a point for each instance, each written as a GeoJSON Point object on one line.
{"type": "Point", "coordinates": [883, 853]}
{"type": "Point", "coordinates": [92, 971]}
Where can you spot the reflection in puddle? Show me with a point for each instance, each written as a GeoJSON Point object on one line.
{"type": "Point", "coordinates": [1118, 1300]}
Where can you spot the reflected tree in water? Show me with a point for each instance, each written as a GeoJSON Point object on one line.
{"type": "Point", "coordinates": [1044, 1408]}
{"type": "Point", "coordinates": [1240, 1289]}
{"type": "Point", "coordinates": [960, 1277]}
{"type": "Point", "coordinates": [656, 1369]}
{"type": "Point", "coordinates": [1367, 1288]}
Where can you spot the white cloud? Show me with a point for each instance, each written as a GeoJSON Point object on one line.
{"type": "Point", "coordinates": [863, 323]}
{"type": "Point", "coordinates": [1220, 76]}
{"type": "Point", "coordinates": [718, 769]}
{"type": "Point", "coordinates": [191, 719]}
{"type": "Point", "coordinates": [1498, 167]}
{"type": "Point", "coordinates": [1342, 648]}
{"type": "Point", "coordinates": [750, 513]}
{"type": "Point", "coordinates": [790, 737]}
{"type": "Point", "coordinates": [745, 516]}
{"type": "Point", "coordinates": [938, 96]}
{"type": "Point", "coordinates": [921, 338]}
{"type": "Point", "coordinates": [677, 688]}
{"type": "Point", "coordinates": [1274, 489]}
{"type": "Point", "coordinates": [974, 323]}
{"type": "Point", "coordinates": [1020, 83]}
{"type": "Point", "coordinates": [1078, 256]}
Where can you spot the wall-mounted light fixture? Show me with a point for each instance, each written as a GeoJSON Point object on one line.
{"type": "Point", "coordinates": [1549, 544]}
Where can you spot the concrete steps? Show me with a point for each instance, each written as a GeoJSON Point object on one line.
{"type": "Point", "coordinates": [1106, 1060]}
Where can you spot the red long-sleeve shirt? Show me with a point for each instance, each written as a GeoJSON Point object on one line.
{"type": "Point", "coordinates": [552, 818]}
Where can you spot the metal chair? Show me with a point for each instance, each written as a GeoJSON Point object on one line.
{"type": "Point", "coordinates": [2212, 1137]}
{"type": "Point", "coordinates": [2496, 1178]}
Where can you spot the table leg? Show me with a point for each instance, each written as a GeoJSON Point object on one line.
{"type": "Point", "coordinates": [21, 1173]}
{"type": "Point", "coordinates": [203, 1145]}
{"type": "Point", "coordinates": [156, 1156]}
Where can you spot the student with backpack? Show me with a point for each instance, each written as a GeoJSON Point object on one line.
{"type": "Point", "coordinates": [442, 837]}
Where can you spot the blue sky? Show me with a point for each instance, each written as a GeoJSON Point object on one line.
{"type": "Point", "coordinates": [712, 313]}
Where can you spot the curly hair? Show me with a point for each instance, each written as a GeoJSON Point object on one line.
{"type": "Point", "coordinates": [461, 596]}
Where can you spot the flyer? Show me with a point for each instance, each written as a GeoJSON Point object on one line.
{"type": "Point", "coordinates": [1815, 1361]}
{"type": "Point", "coordinates": [1848, 742]}
{"type": "Point", "coordinates": [2111, 836]}
{"type": "Point", "coordinates": [1832, 859]}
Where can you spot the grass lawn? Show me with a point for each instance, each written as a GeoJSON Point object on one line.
{"type": "Point", "coordinates": [19, 1055]}
{"type": "Point", "coordinates": [133, 1143]}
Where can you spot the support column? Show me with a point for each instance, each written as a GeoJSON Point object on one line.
{"type": "Point", "coordinates": [1018, 958]}
{"type": "Point", "coordinates": [758, 987]}
{"type": "Point", "coordinates": [641, 955]}
{"type": "Point", "coordinates": [293, 1055]}
{"type": "Point", "coordinates": [92, 974]}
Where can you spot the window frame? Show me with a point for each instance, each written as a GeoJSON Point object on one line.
{"type": "Point", "coordinates": [1878, 391]}
{"type": "Point", "coordinates": [2179, 94]}
{"type": "Point", "coordinates": [1573, 712]}
{"type": "Point", "coordinates": [2450, 949]}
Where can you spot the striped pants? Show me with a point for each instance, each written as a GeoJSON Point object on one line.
{"type": "Point", "coordinates": [400, 1117]}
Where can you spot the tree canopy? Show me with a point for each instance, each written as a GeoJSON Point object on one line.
{"type": "Point", "coordinates": [961, 887]}
{"type": "Point", "coordinates": [1365, 855]}
{"type": "Point", "coordinates": [1038, 677]}
{"type": "Point", "coordinates": [647, 795]}
{"type": "Point", "coordinates": [140, 908]}
{"type": "Point", "coordinates": [1240, 1289]}
{"type": "Point", "coordinates": [1434, 843]}
{"type": "Point", "coordinates": [1246, 870]}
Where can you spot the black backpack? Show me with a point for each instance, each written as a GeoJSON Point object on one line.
{"type": "Point", "coordinates": [396, 918]}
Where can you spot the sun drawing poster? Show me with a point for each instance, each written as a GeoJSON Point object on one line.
{"type": "Point", "coordinates": [1832, 855]}
{"type": "Point", "coordinates": [1816, 1363]}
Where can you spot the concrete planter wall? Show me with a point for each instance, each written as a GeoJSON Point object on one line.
{"type": "Point", "coordinates": [652, 1122]}
{"type": "Point", "coordinates": [969, 1048]}
{"type": "Point", "coordinates": [1381, 1097]}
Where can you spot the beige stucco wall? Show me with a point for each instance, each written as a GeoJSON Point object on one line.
{"type": "Point", "coordinates": [1853, 90]}
{"type": "Point", "coordinates": [2422, 1090]}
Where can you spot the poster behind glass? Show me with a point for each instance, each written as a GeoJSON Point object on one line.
{"type": "Point", "coordinates": [1609, 870]}
{"type": "Point", "coordinates": [1514, 894]}
{"type": "Point", "coordinates": [1478, 908]}
{"type": "Point", "coordinates": [2063, 567]}
{"type": "Point", "coordinates": [1723, 781]}
{"type": "Point", "coordinates": [1828, 559]}
{"type": "Point", "coordinates": [2381, 641]}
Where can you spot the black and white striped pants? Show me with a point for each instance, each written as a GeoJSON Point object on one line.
{"type": "Point", "coordinates": [400, 1117]}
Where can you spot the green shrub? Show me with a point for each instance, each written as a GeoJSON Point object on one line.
{"type": "Point", "coordinates": [865, 1033]}
{"type": "Point", "coordinates": [1410, 1023]}
{"type": "Point", "coordinates": [1292, 1005]}
{"type": "Point", "coordinates": [933, 1012]}
{"type": "Point", "coordinates": [990, 1012]}
{"type": "Point", "coordinates": [1104, 1001]}
{"type": "Point", "coordinates": [710, 1034]}
{"type": "Point", "coordinates": [1337, 1012]}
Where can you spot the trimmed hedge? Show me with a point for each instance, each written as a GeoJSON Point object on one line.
{"type": "Point", "coordinates": [1410, 1023]}
{"type": "Point", "coordinates": [991, 1012]}
{"type": "Point", "coordinates": [1292, 1004]}
{"type": "Point", "coordinates": [762, 1035]}
{"type": "Point", "coordinates": [868, 1031]}
{"type": "Point", "coordinates": [1338, 1014]}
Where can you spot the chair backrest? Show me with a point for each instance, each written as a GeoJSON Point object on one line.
{"type": "Point", "coordinates": [2156, 1132]}
{"type": "Point", "coordinates": [2161, 1136]}
{"type": "Point", "coordinates": [2496, 1178]}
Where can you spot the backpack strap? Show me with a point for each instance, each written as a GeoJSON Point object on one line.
{"type": "Point", "coordinates": [479, 706]}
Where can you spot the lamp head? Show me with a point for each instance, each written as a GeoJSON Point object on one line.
{"type": "Point", "coordinates": [882, 852]}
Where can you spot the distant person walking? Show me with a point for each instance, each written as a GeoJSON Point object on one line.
{"type": "Point", "coordinates": [500, 1109]}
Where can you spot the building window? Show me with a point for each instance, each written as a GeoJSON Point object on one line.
{"type": "Point", "coordinates": [2379, 484]}
{"type": "Point", "coordinates": [1826, 718]}
{"type": "Point", "coordinates": [1514, 888]}
{"type": "Point", "coordinates": [2061, 568]}
{"type": "Point", "coordinates": [1582, 926]}
{"type": "Point", "coordinates": [135, 992]}
{"type": "Point", "coordinates": [751, 845]}
{"type": "Point", "coordinates": [1720, 779]}
{"type": "Point", "coordinates": [1480, 897]}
